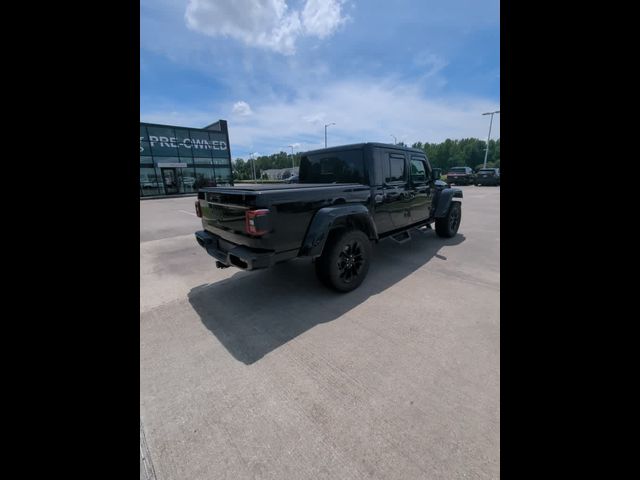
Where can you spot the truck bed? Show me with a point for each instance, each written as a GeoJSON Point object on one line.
{"type": "Point", "coordinates": [291, 205]}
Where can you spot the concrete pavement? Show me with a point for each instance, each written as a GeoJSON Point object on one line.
{"type": "Point", "coordinates": [268, 374]}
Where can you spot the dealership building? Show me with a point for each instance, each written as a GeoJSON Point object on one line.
{"type": "Point", "coordinates": [179, 160]}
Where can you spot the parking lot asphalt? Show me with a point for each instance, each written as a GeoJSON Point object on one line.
{"type": "Point", "coordinates": [268, 374]}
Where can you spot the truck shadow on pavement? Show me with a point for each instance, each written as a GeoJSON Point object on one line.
{"type": "Point", "coordinates": [254, 313]}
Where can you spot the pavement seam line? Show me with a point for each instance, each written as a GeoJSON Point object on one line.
{"type": "Point", "coordinates": [149, 471]}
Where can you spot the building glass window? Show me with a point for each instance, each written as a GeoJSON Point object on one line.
{"type": "Point", "coordinates": [145, 149]}
{"type": "Point", "coordinates": [200, 144]}
{"type": "Point", "coordinates": [204, 178]}
{"type": "Point", "coordinates": [150, 183]}
{"type": "Point", "coordinates": [202, 160]}
{"type": "Point", "coordinates": [183, 140]}
{"type": "Point", "coordinates": [188, 180]}
{"type": "Point", "coordinates": [224, 162]}
{"type": "Point", "coordinates": [223, 174]}
{"type": "Point", "coordinates": [162, 141]}
{"type": "Point", "coordinates": [219, 147]}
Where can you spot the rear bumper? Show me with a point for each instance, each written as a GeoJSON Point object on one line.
{"type": "Point", "coordinates": [231, 254]}
{"type": "Point", "coordinates": [458, 180]}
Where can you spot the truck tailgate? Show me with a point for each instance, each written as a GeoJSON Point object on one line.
{"type": "Point", "coordinates": [226, 210]}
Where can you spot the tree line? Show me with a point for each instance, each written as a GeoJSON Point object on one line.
{"type": "Point", "coordinates": [467, 152]}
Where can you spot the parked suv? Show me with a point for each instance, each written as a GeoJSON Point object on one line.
{"type": "Point", "coordinates": [461, 176]}
{"type": "Point", "coordinates": [488, 176]}
{"type": "Point", "coordinates": [347, 197]}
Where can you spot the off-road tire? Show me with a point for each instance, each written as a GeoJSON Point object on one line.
{"type": "Point", "coordinates": [448, 225]}
{"type": "Point", "coordinates": [345, 260]}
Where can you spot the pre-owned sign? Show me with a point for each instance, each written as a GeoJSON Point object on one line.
{"type": "Point", "coordinates": [172, 142]}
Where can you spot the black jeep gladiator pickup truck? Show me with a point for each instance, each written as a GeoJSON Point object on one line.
{"type": "Point", "coordinates": [347, 197]}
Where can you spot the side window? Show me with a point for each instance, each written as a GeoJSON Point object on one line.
{"type": "Point", "coordinates": [396, 168]}
{"type": "Point", "coordinates": [418, 170]}
{"type": "Point", "coordinates": [381, 165]}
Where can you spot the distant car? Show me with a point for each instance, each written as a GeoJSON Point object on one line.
{"type": "Point", "coordinates": [488, 176]}
{"type": "Point", "coordinates": [461, 176]}
{"type": "Point", "coordinates": [292, 179]}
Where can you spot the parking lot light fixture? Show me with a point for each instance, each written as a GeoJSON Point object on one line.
{"type": "Point", "coordinates": [486, 152]}
{"type": "Point", "coordinates": [293, 163]}
{"type": "Point", "coordinates": [325, 133]}
{"type": "Point", "coordinates": [253, 165]}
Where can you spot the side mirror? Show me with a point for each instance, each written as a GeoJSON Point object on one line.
{"type": "Point", "coordinates": [435, 175]}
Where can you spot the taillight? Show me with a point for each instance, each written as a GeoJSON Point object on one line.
{"type": "Point", "coordinates": [198, 209]}
{"type": "Point", "coordinates": [255, 222]}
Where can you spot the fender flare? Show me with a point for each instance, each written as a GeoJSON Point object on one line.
{"type": "Point", "coordinates": [444, 200]}
{"type": "Point", "coordinates": [328, 217]}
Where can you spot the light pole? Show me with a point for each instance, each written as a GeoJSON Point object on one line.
{"type": "Point", "coordinates": [395, 140]}
{"type": "Point", "coordinates": [253, 165]}
{"type": "Point", "coordinates": [325, 133]}
{"type": "Point", "coordinates": [293, 163]}
{"type": "Point", "coordinates": [486, 153]}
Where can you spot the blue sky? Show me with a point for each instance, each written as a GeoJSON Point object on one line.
{"type": "Point", "coordinates": [279, 70]}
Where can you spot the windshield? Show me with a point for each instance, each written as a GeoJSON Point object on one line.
{"type": "Point", "coordinates": [342, 166]}
{"type": "Point", "coordinates": [487, 171]}
{"type": "Point", "coordinates": [458, 170]}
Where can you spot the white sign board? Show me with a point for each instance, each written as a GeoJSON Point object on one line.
{"type": "Point", "coordinates": [172, 165]}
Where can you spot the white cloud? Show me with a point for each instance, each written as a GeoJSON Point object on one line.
{"type": "Point", "coordinates": [242, 109]}
{"type": "Point", "coordinates": [364, 111]}
{"type": "Point", "coordinates": [322, 17]}
{"type": "Point", "coordinates": [430, 63]}
{"type": "Point", "coordinates": [267, 24]}
{"type": "Point", "coordinates": [314, 118]}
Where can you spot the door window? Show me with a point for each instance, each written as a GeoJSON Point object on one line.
{"type": "Point", "coordinates": [418, 171]}
{"type": "Point", "coordinates": [396, 168]}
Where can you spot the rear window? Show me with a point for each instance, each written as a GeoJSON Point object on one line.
{"type": "Point", "coordinates": [346, 166]}
{"type": "Point", "coordinates": [458, 170]}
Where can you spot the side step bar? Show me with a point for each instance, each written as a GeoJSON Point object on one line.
{"type": "Point", "coordinates": [401, 237]}
{"type": "Point", "coordinates": [423, 229]}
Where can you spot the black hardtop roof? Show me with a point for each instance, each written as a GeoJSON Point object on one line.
{"type": "Point", "coordinates": [354, 146]}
